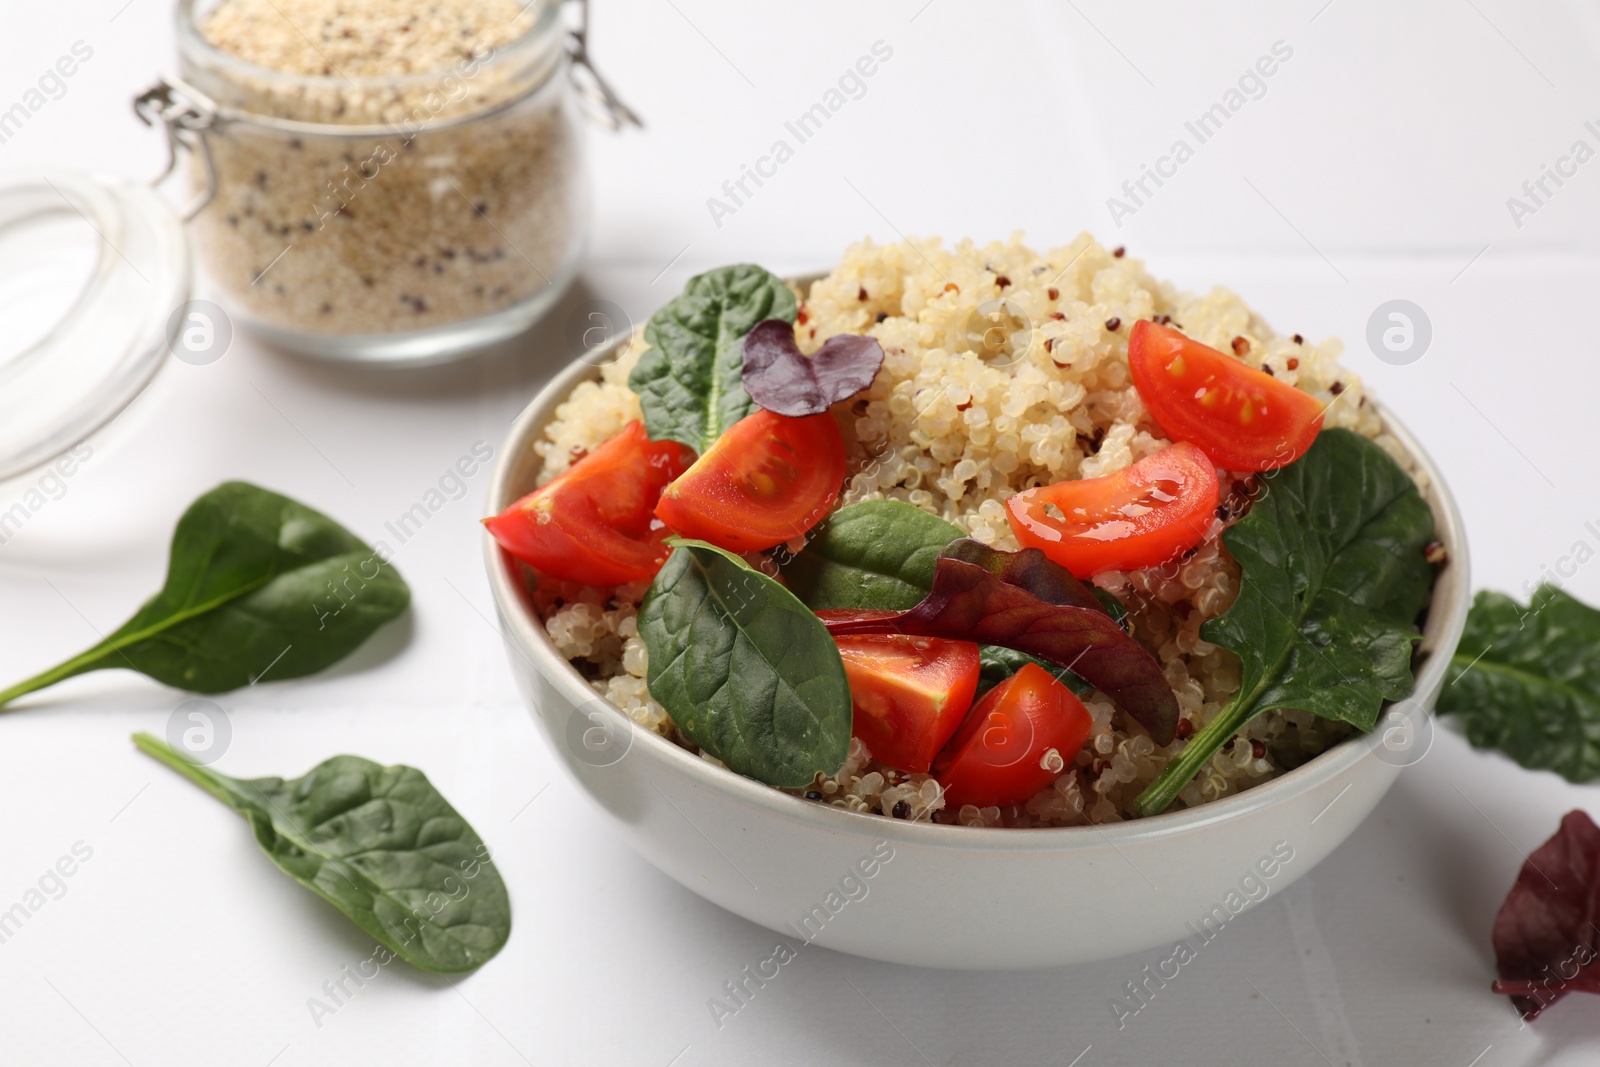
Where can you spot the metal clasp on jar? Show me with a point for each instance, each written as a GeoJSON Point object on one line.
{"type": "Point", "coordinates": [185, 113]}
{"type": "Point", "coordinates": [603, 104]}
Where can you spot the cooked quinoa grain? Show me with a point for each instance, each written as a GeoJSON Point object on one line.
{"type": "Point", "coordinates": [955, 423]}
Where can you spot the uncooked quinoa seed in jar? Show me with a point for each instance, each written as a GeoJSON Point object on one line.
{"type": "Point", "coordinates": [389, 180]}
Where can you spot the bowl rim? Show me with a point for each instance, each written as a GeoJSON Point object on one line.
{"type": "Point", "coordinates": [526, 636]}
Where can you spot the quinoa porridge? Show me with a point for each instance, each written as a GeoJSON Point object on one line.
{"type": "Point", "coordinates": [961, 416]}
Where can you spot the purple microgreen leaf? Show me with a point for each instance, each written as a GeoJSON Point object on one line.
{"type": "Point", "coordinates": [784, 380]}
{"type": "Point", "coordinates": [1022, 600]}
{"type": "Point", "coordinates": [1545, 941]}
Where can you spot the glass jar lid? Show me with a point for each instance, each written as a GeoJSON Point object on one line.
{"type": "Point", "coordinates": [94, 274]}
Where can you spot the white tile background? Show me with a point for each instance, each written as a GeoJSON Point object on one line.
{"type": "Point", "coordinates": [1376, 165]}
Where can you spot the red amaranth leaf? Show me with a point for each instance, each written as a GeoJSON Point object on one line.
{"type": "Point", "coordinates": [782, 379]}
{"type": "Point", "coordinates": [1545, 937]}
{"type": "Point", "coordinates": [1021, 600]}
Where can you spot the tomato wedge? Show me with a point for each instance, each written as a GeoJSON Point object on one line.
{"type": "Point", "coordinates": [768, 479]}
{"type": "Point", "coordinates": [1002, 753]}
{"type": "Point", "coordinates": [594, 523]}
{"type": "Point", "coordinates": [1141, 516]}
{"type": "Point", "coordinates": [910, 693]}
{"type": "Point", "coordinates": [1244, 419]}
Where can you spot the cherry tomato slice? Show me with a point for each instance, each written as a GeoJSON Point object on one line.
{"type": "Point", "coordinates": [1003, 752]}
{"type": "Point", "coordinates": [594, 523]}
{"type": "Point", "coordinates": [1141, 516]}
{"type": "Point", "coordinates": [768, 479]}
{"type": "Point", "coordinates": [910, 693]}
{"type": "Point", "coordinates": [1244, 419]}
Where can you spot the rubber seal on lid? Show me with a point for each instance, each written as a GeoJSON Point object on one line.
{"type": "Point", "coordinates": [93, 269]}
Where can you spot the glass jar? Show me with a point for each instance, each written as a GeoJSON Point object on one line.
{"type": "Point", "coordinates": [410, 218]}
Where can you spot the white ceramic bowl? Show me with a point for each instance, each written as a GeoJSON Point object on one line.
{"type": "Point", "coordinates": [956, 896]}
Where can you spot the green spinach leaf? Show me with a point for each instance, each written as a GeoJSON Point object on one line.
{"type": "Point", "coordinates": [744, 669]}
{"type": "Point", "coordinates": [1527, 681]}
{"type": "Point", "coordinates": [1333, 579]}
{"type": "Point", "coordinates": [258, 586]}
{"type": "Point", "coordinates": [381, 845]}
{"type": "Point", "coordinates": [690, 379]}
{"type": "Point", "coordinates": [876, 554]}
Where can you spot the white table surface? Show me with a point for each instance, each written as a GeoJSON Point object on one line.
{"type": "Point", "coordinates": [1377, 165]}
